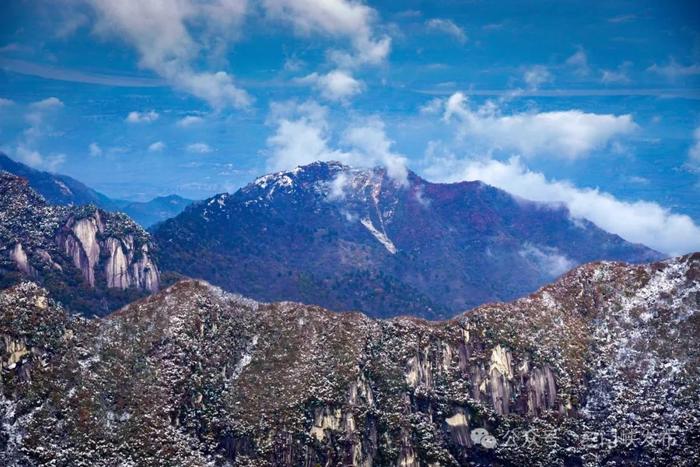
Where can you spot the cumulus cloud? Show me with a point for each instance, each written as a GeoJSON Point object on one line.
{"type": "Point", "coordinates": [303, 135]}
{"type": "Point", "coordinates": [447, 26]}
{"type": "Point", "coordinates": [199, 148]}
{"type": "Point", "coordinates": [6, 102]}
{"type": "Point", "coordinates": [370, 145]}
{"type": "Point", "coordinates": [189, 120]}
{"type": "Point", "coordinates": [346, 19]}
{"type": "Point", "coordinates": [636, 221]}
{"type": "Point", "coordinates": [536, 75]}
{"type": "Point", "coordinates": [168, 43]}
{"type": "Point", "coordinates": [567, 134]}
{"type": "Point", "coordinates": [142, 117]}
{"type": "Point", "coordinates": [337, 85]}
{"type": "Point", "coordinates": [95, 150]}
{"type": "Point", "coordinates": [156, 147]}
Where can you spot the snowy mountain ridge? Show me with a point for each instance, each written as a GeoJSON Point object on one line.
{"type": "Point", "coordinates": [598, 368]}
{"type": "Point", "coordinates": [349, 238]}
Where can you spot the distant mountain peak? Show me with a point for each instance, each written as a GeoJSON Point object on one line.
{"type": "Point", "coordinates": [66, 191]}
{"type": "Point", "coordinates": [355, 238]}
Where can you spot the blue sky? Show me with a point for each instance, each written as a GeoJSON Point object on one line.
{"type": "Point", "coordinates": [594, 105]}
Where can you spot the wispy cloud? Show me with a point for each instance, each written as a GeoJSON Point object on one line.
{"type": "Point", "coordinates": [674, 70]}
{"type": "Point", "coordinates": [685, 93]}
{"type": "Point", "coordinates": [94, 149]}
{"type": "Point", "coordinates": [622, 18]}
{"type": "Point", "coordinates": [76, 76]}
{"type": "Point", "coordinates": [536, 75]}
{"type": "Point", "coordinates": [199, 148]}
{"type": "Point", "coordinates": [579, 62]}
{"type": "Point", "coordinates": [33, 158]}
{"type": "Point", "coordinates": [694, 152]}
{"type": "Point", "coordinates": [447, 26]}
{"type": "Point", "coordinates": [158, 146]}
{"type": "Point", "coordinates": [616, 76]}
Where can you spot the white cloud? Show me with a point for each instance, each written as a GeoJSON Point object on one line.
{"type": "Point", "coordinates": [303, 135]}
{"type": "Point", "coordinates": [371, 146]}
{"type": "Point", "coordinates": [433, 106]}
{"type": "Point", "coordinates": [616, 76]}
{"type": "Point", "coordinates": [95, 150]}
{"type": "Point", "coordinates": [674, 70]}
{"type": "Point", "coordinates": [579, 62]}
{"type": "Point", "coordinates": [337, 85]}
{"type": "Point", "coordinates": [48, 103]}
{"type": "Point", "coordinates": [156, 147]}
{"type": "Point", "coordinates": [567, 134]}
{"type": "Point", "coordinates": [6, 102]}
{"type": "Point", "coordinates": [34, 158]}
{"type": "Point", "coordinates": [142, 117]}
{"type": "Point", "coordinates": [612, 76]}
{"type": "Point", "coordinates": [638, 221]}
{"type": "Point", "coordinates": [536, 75]}
{"type": "Point", "coordinates": [199, 148]}
{"type": "Point", "coordinates": [623, 18]}
{"type": "Point", "coordinates": [337, 191]}
{"type": "Point", "coordinates": [293, 64]}
{"type": "Point", "coordinates": [336, 18]}
{"type": "Point", "coordinates": [448, 27]}
{"type": "Point", "coordinates": [694, 152]}
{"type": "Point", "coordinates": [549, 260]}
{"type": "Point", "coordinates": [30, 157]}
{"type": "Point", "coordinates": [36, 116]}
{"type": "Point", "coordinates": [171, 36]}
{"type": "Point", "coordinates": [189, 121]}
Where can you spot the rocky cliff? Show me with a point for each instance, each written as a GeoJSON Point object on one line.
{"type": "Point", "coordinates": [356, 239]}
{"type": "Point", "coordinates": [79, 253]}
{"type": "Point", "coordinates": [599, 368]}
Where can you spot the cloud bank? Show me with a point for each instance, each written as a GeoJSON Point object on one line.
{"type": "Point", "coordinates": [568, 134]}
{"type": "Point", "coordinates": [639, 221]}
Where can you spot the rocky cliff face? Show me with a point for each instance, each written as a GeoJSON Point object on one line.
{"type": "Point", "coordinates": [355, 239]}
{"type": "Point", "coordinates": [72, 247]}
{"type": "Point", "coordinates": [599, 368]}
